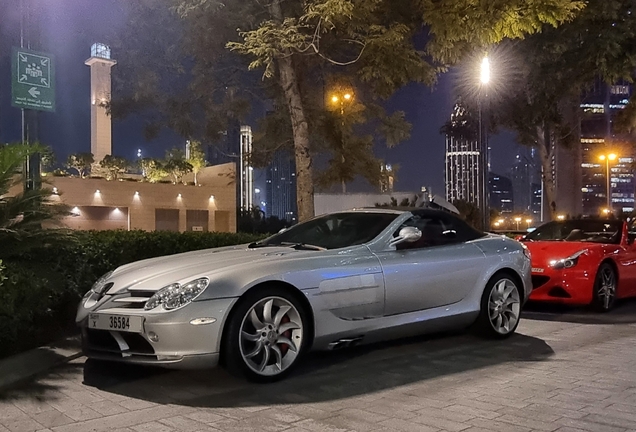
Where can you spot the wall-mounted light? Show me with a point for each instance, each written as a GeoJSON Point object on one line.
{"type": "Point", "coordinates": [211, 197]}
{"type": "Point", "coordinates": [76, 211]}
{"type": "Point", "coordinates": [136, 193]}
{"type": "Point", "coordinates": [97, 192]}
{"type": "Point", "coordinates": [179, 196]}
{"type": "Point", "coordinates": [55, 190]}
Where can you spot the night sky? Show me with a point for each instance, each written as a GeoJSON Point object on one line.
{"type": "Point", "coordinates": [70, 27]}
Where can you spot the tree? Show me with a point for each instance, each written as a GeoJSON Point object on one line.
{"type": "Point", "coordinates": [81, 162]}
{"type": "Point", "coordinates": [469, 212]}
{"type": "Point", "coordinates": [114, 166]}
{"type": "Point", "coordinates": [599, 43]}
{"type": "Point", "coordinates": [26, 218]}
{"type": "Point", "coordinates": [47, 158]}
{"type": "Point", "coordinates": [176, 165]}
{"type": "Point", "coordinates": [298, 44]}
{"type": "Point", "coordinates": [196, 159]}
{"type": "Point", "coordinates": [153, 170]}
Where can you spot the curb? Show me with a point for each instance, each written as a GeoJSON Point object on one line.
{"type": "Point", "coordinates": [25, 365]}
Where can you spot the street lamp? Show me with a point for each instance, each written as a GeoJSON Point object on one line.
{"type": "Point", "coordinates": [341, 99]}
{"type": "Point", "coordinates": [484, 78]}
{"type": "Point", "coordinates": [607, 159]}
{"type": "Point", "coordinates": [517, 219]}
{"type": "Point", "coordinates": [528, 221]}
{"type": "Point", "coordinates": [561, 217]}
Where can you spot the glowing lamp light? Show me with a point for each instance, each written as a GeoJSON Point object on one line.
{"type": "Point", "coordinates": [55, 190]}
{"type": "Point", "coordinates": [97, 192]}
{"type": "Point", "coordinates": [528, 220]}
{"type": "Point", "coordinates": [347, 96]}
{"type": "Point", "coordinates": [561, 217]}
{"type": "Point", "coordinates": [611, 156]}
{"type": "Point", "coordinates": [334, 99]}
{"type": "Point", "coordinates": [76, 211]}
{"type": "Point", "coordinates": [136, 194]}
{"type": "Point", "coordinates": [211, 197]}
{"type": "Point", "coordinates": [517, 219]}
{"type": "Point", "coordinates": [179, 196]}
{"type": "Point", "coordinates": [485, 71]}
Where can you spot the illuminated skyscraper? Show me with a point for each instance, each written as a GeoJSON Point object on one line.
{"type": "Point", "coordinates": [281, 187]}
{"type": "Point", "coordinates": [599, 109]}
{"type": "Point", "coordinates": [463, 165]}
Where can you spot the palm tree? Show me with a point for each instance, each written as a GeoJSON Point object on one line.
{"type": "Point", "coordinates": [26, 218]}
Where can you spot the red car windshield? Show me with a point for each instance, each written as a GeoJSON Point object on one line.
{"type": "Point", "coordinates": [595, 231]}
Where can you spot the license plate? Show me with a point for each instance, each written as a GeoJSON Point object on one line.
{"type": "Point", "coordinates": [125, 323]}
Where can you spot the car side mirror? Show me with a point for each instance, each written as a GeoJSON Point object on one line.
{"type": "Point", "coordinates": [282, 230]}
{"type": "Point", "coordinates": [406, 235]}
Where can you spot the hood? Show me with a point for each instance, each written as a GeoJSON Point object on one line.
{"type": "Point", "coordinates": [542, 252]}
{"type": "Point", "coordinates": [156, 273]}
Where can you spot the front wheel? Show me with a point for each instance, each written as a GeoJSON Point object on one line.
{"type": "Point", "coordinates": [604, 288]}
{"type": "Point", "coordinates": [500, 308]}
{"type": "Point", "coordinates": [267, 335]}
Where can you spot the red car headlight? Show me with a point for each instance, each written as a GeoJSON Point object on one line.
{"type": "Point", "coordinates": [568, 262]}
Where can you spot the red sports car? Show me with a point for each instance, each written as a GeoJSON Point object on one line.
{"type": "Point", "coordinates": [581, 262]}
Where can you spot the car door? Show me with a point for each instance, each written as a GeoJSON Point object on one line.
{"type": "Point", "coordinates": [439, 269]}
{"type": "Point", "coordinates": [627, 263]}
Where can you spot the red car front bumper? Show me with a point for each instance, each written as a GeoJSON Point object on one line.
{"type": "Point", "coordinates": [568, 286]}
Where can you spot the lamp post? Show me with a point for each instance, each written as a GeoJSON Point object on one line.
{"type": "Point", "coordinates": [528, 221]}
{"type": "Point", "coordinates": [341, 99]}
{"type": "Point", "coordinates": [517, 219]}
{"type": "Point", "coordinates": [607, 159]}
{"type": "Point", "coordinates": [484, 79]}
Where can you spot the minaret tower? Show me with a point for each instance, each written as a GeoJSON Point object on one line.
{"type": "Point", "coordinates": [100, 64]}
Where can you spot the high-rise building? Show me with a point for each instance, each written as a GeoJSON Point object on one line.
{"type": "Point", "coordinates": [387, 178]}
{"type": "Point", "coordinates": [236, 147]}
{"type": "Point", "coordinates": [501, 193]}
{"type": "Point", "coordinates": [281, 187]}
{"type": "Point", "coordinates": [599, 109]}
{"type": "Point", "coordinates": [524, 172]}
{"type": "Point", "coordinates": [463, 164]}
{"type": "Point", "coordinates": [101, 130]}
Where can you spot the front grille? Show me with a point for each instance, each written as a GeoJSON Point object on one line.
{"type": "Point", "coordinates": [136, 300]}
{"type": "Point", "coordinates": [103, 340]}
{"type": "Point", "coordinates": [538, 281]}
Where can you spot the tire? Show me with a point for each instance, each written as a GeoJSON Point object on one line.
{"type": "Point", "coordinates": [605, 285]}
{"type": "Point", "coordinates": [266, 335]}
{"type": "Point", "coordinates": [500, 309]}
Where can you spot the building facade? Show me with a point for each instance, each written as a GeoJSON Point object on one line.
{"type": "Point", "coordinates": [281, 187]}
{"type": "Point", "coordinates": [463, 161]}
{"type": "Point", "coordinates": [599, 109]}
{"type": "Point", "coordinates": [501, 194]}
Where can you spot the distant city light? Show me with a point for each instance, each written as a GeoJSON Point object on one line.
{"type": "Point", "coordinates": [257, 190]}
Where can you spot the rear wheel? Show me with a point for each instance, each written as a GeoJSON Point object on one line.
{"type": "Point", "coordinates": [266, 335]}
{"type": "Point", "coordinates": [604, 288]}
{"type": "Point", "coordinates": [500, 308]}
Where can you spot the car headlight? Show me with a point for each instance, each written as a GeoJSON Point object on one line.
{"type": "Point", "coordinates": [175, 296]}
{"type": "Point", "coordinates": [100, 286]}
{"type": "Point", "coordinates": [568, 262]}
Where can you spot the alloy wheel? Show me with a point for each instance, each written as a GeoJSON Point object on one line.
{"type": "Point", "coordinates": [504, 306]}
{"type": "Point", "coordinates": [607, 290]}
{"type": "Point", "coordinates": [271, 336]}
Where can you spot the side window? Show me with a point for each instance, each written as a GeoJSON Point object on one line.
{"type": "Point", "coordinates": [435, 232]}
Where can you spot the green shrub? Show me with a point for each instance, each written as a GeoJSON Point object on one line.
{"type": "Point", "coordinates": [41, 290]}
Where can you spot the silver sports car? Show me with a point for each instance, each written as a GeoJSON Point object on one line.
{"type": "Point", "coordinates": [336, 280]}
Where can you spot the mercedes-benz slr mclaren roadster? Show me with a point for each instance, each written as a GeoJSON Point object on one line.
{"type": "Point", "coordinates": [334, 281]}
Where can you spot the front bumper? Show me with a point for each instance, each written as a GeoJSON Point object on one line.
{"type": "Point", "coordinates": [176, 343]}
{"type": "Point", "coordinates": [567, 286]}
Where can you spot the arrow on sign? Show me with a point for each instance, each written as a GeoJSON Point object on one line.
{"type": "Point", "coordinates": [34, 92]}
{"type": "Point", "coordinates": [22, 57]}
{"type": "Point", "coordinates": [22, 78]}
{"type": "Point", "coordinates": [43, 62]}
{"type": "Point", "coordinates": [44, 81]}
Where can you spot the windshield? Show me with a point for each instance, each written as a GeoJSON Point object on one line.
{"type": "Point", "coordinates": [334, 231]}
{"type": "Point", "coordinates": [596, 231]}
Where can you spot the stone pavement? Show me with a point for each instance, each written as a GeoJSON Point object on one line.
{"type": "Point", "coordinates": [554, 375]}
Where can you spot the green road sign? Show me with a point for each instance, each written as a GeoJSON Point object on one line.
{"type": "Point", "coordinates": [33, 80]}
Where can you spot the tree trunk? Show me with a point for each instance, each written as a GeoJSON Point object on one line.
{"type": "Point", "coordinates": [300, 128]}
{"type": "Point", "coordinates": [546, 152]}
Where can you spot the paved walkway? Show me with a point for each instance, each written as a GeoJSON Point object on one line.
{"type": "Point", "coordinates": [554, 375]}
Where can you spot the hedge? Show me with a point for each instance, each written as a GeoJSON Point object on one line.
{"type": "Point", "coordinates": [40, 293]}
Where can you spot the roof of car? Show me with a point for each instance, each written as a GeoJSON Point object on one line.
{"type": "Point", "coordinates": [398, 210]}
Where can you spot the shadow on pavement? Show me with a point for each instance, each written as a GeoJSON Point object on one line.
{"type": "Point", "coordinates": [623, 313]}
{"type": "Point", "coordinates": [323, 377]}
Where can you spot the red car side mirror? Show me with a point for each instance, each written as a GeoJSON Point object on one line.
{"type": "Point", "coordinates": [519, 238]}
